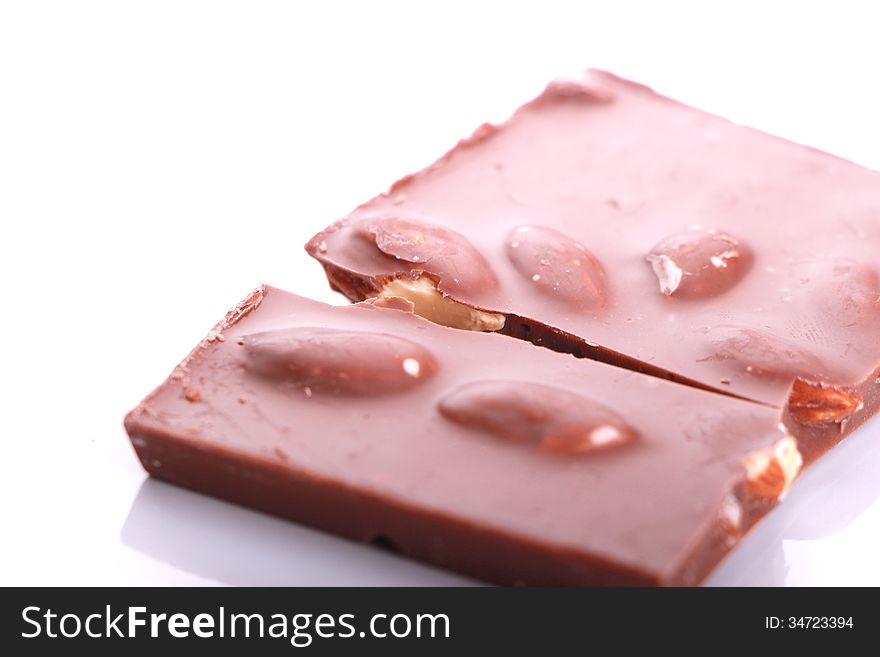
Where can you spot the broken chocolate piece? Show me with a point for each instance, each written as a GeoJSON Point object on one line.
{"type": "Point", "coordinates": [472, 451]}
{"type": "Point", "coordinates": [759, 251]}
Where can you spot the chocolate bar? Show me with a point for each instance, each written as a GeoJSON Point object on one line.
{"type": "Point", "coordinates": [468, 450]}
{"type": "Point", "coordinates": [607, 221]}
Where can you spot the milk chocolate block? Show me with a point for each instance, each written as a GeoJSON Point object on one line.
{"type": "Point", "coordinates": [605, 220]}
{"type": "Point", "coordinates": [469, 450]}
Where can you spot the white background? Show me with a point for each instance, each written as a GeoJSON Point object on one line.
{"type": "Point", "coordinates": [159, 159]}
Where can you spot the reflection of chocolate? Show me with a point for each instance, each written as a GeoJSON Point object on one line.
{"type": "Point", "coordinates": [604, 477]}
{"type": "Point", "coordinates": [741, 230]}
{"type": "Point", "coordinates": [236, 546]}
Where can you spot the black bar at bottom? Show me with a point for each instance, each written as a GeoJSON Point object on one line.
{"type": "Point", "coordinates": [432, 621]}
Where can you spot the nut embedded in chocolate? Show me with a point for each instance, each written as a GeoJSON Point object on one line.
{"type": "Point", "coordinates": [345, 362]}
{"type": "Point", "coordinates": [820, 404]}
{"type": "Point", "coordinates": [769, 472]}
{"type": "Point", "coordinates": [729, 520]}
{"type": "Point", "coordinates": [699, 263]}
{"type": "Point", "coordinates": [554, 420]}
{"type": "Point", "coordinates": [392, 302]}
{"type": "Point", "coordinates": [585, 87]}
{"type": "Point", "coordinates": [761, 354]}
{"type": "Point", "coordinates": [428, 302]}
{"type": "Point", "coordinates": [560, 267]}
{"type": "Point", "coordinates": [425, 247]}
{"type": "Point", "coordinates": [848, 292]}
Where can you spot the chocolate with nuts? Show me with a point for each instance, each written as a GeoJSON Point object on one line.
{"type": "Point", "coordinates": [469, 450]}
{"type": "Point", "coordinates": [601, 220]}
{"type": "Point", "coordinates": [607, 221]}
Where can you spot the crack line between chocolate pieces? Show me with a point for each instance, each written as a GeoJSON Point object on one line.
{"type": "Point", "coordinates": [538, 334]}
{"type": "Point", "coordinates": [357, 288]}
{"type": "Point", "coordinates": [562, 342]}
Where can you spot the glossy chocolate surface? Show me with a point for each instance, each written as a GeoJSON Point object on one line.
{"type": "Point", "coordinates": [470, 450]}
{"type": "Point", "coordinates": [640, 226]}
